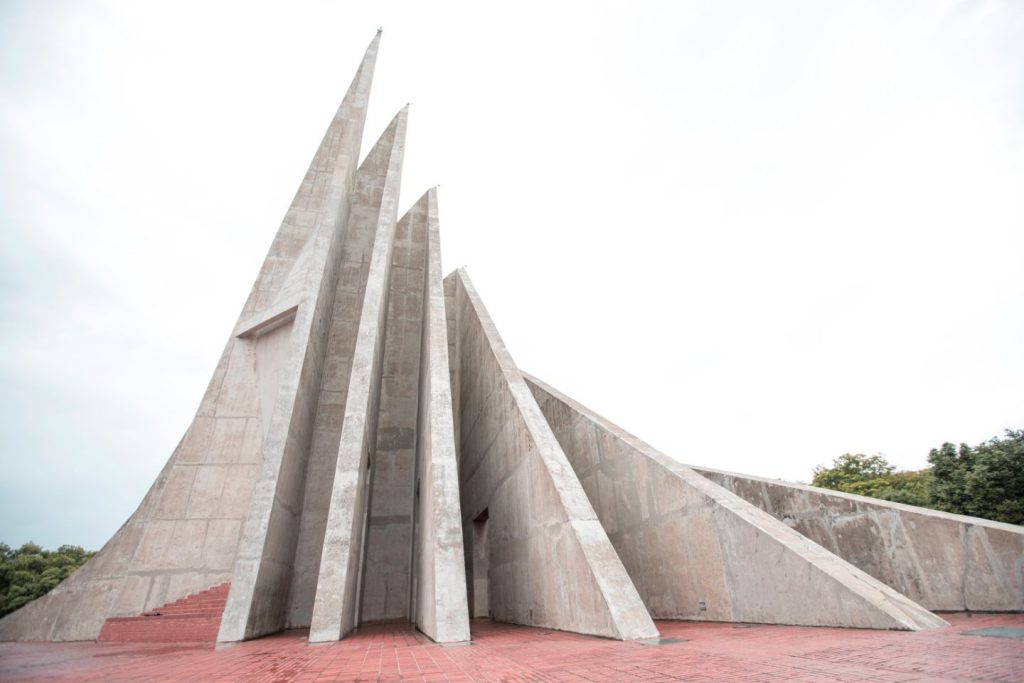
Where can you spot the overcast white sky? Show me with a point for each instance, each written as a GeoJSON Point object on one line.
{"type": "Point", "coordinates": [757, 235]}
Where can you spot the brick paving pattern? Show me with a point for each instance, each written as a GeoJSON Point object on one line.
{"type": "Point", "coordinates": [710, 653]}
{"type": "Point", "coordinates": [195, 618]}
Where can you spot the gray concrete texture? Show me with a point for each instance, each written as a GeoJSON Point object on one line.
{"type": "Point", "coordinates": [548, 560]}
{"type": "Point", "coordinates": [697, 551]}
{"type": "Point", "coordinates": [439, 592]}
{"type": "Point", "coordinates": [258, 601]}
{"type": "Point", "coordinates": [336, 603]}
{"type": "Point", "coordinates": [322, 367]}
{"type": "Point", "coordinates": [941, 561]}
{"type": "Point", "coordinates": [185, 535]}
{"type": "Point", "coordinates": [367, 449]}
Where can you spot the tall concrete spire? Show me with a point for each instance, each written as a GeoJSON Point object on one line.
{"type": "Point", "coordinates": [319, 203]}
{"type": "Point", "coordinates": [257, 602]}
{"type": "Point", "coordinates": [337, 591]}
{"type": "Point", "coordinates": [545, 558]}
{"type": "Point", "coordinates": [234, 467]}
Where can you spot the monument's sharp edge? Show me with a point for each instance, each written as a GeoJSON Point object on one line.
{"type": "Point", "coordinates": [940, 560]}
{"type": "Point", "coordinates": [184, 535]}
{"type": "Point", "coordinates": [550, 563]}
{"type": "Point", "coordinates": [335, 608]}
{"type": "Point", "coordinates": [439, 593]}
{"type": "Point", "coordinates": [697, 551]}
{"type": "Point", "coordinates": [294, 354]}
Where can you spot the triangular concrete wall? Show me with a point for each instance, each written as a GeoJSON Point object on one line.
{"type": "Point", "coordinates": [184, 535]}
{"type": "Point", "coordinates": [265, 583]}
{"type": "Point", "coordinates": [326, 394]}
{"type": "Point", "coordinates": [550, 563]}
{"type": "Point", "coordinates": [696, 551]}
{"type": "Point", "coordinates": [940, 560]}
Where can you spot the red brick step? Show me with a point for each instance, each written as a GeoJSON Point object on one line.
{"type": "Point", "coordinates": [193, 619]}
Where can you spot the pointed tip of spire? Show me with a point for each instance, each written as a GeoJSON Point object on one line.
{"type": "Point", "coordinates": [375, 43]}
{"type": "Point", "coordinates": [380, 30]}
{"type": "Point", "coordinates": [424, 198]}
{"type": "Point", "coordinates": [364, 74]}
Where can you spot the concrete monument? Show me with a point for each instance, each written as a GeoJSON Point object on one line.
{"type": "Point", "coordinates": [368, 450]}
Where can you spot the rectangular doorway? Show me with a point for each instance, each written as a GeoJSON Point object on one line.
{"type": "Point", "coordinates": [480, 567]}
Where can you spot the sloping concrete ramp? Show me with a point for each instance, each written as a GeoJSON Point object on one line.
{"type": "Point", "coordinates": [534, 544]}
{"type": "Point", "coordinates": [697, 551]}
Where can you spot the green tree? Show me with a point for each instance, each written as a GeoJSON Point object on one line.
{"type": "Point", "coordinates": [984, 481]}
{"type": "Point", "coordinates": [30, 571]}
{"type": "Point", "coordinates": [850, 468]}
{"type": "Point", "coordinates": [911, 488]}
{"type": "Point", "coordinates": [874, 476]}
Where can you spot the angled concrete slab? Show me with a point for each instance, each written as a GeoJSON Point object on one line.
{"type": "Point", "coordinates": [258, 603]}
{"type": "Point", "coordinates": [441, 608]}
{"type": "Point", "coordinates": [335, 605]}
{"type": "Point", "coordinates": [940, 560]}
{"type": "Point", "coordinates": [350, 293]}
{"type": "Point", "coordinates": [697, 551]}
{"type": "Point", "coordinates": [184, 535]}
{"type": "Point", "coordinates": [533, 541]}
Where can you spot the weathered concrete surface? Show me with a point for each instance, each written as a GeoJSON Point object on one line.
{"type": "Point", "coordinates": [439, 591]}
{"type": "Point", "coordinates": [389, 544]}
{"type": "Point", "coordinates": [335, 606]}
{"type": "Point", "coordinates": [334, 382]}
{"type": "Point", "coordinates": [697, 551]}
{"type": "Point", "coordinates": [321, 474]}
{"type": "Point", "coordinates": [184, 535]}
{"type": "Point", "coordinates": [549, 561]}
{"type": "Point", "coordinates": [258, 601]}
{"type": "Point", "coordinates": [940, 560]}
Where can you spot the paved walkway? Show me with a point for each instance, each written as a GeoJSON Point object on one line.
{"type": "Point", "coordinates": [709, 653]}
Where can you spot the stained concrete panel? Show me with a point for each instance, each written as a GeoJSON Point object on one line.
{"type": "Point", "coordinates": [185, 534]}
{"type": "Point", "coordinates": [550, 563]}
{"type": "Point", "coordinates": [257, 602]}
{"type": "Point", "coordinates": [940, 560]}
{"type": "Point", "coordinates": [388, 556]}
{"type": "Point", "coordinates": [696, 551]}
{"type": "Point", "coordinates": [366, 217]}
{"type": "Point", "coordinates": [335, 606]}
{"type": "Point", "coordinates": [440, 607]}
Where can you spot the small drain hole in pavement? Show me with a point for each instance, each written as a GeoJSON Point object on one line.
{"type": "Point", "coordinates": [996, 632]}
{"type": "Point", "coordinates": [655, 642]}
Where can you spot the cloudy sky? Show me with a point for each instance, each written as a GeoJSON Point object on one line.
{"type": "Point", "coordinates": [757, 235]}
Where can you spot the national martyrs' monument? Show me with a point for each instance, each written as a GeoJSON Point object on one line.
{"type": "Point", "coordinates": [368, 450]}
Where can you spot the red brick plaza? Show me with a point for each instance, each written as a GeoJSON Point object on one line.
{"type": "Point", "coordinates": [704, 652]}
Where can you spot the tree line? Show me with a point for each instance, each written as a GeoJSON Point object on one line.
{"type": "Point", "coordinates": [986, 480]}
{"type": "Point", "coordinates": [29, 571]}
